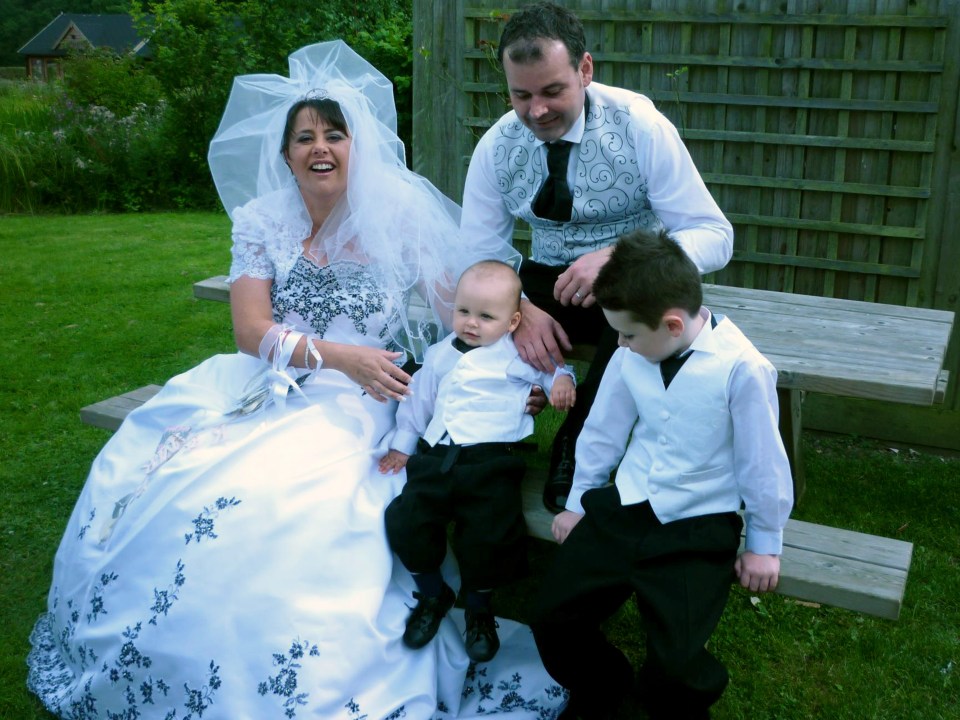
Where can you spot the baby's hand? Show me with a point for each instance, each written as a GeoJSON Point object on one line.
{"type": "Point", "coordinates": [393, 462]}
{"type": "Point", "coordinates": [564, 393]}
{"type": "Point", "coordinates": [758, 573]}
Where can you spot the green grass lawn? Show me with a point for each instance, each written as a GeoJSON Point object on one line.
{"type": "Point", "coordinates": [96, 305]}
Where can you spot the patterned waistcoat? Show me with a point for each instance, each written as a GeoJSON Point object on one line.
{"type": "Point", "coordinates": [609, 196]}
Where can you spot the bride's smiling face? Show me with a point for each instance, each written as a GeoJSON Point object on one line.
{"type": "Point", "coordinates": [318, 154]}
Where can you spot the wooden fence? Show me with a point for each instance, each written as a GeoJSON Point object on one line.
{"type": "Point", "coordinates": [827, 131]}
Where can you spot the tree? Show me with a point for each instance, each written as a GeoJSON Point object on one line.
{"type": "Point", "coordinates": [199, 46]}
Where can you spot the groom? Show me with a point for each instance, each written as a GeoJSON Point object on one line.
{"type": "Point", "coordinates": [582, 163]}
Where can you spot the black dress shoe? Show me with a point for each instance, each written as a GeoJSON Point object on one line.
{"type": "Point", "coordinates": [424, 620]}
{"type": "Point", "coordinates": [481, 641]}
{"type": "Point", "coordinates": [560, 477]}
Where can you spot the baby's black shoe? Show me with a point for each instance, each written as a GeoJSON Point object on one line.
{"type": "Point", "coordinates": [481, 641]}
{"type": "Point", "coordinates": [424, 620]}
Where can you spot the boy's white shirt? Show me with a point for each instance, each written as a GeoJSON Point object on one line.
{"type": "Point", "coordinates": [468, 398]}
{"type": "Point", "coordinates": [704, 446]}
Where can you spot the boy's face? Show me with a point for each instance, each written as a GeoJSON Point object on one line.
{"type": "Point", "coordinates": [653, 345]}
{"type": "Point", "coordinates": [485, 309]}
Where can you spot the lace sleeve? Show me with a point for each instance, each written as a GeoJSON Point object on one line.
{"type": "Point", "coordinates": [249, 253]}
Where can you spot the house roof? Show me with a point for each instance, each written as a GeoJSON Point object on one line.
{"type": "Point", "coordinates": [113, 31]}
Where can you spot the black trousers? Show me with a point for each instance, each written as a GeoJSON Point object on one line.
{"type": "Point", "coordinates": [582, 325]}
{"type": "Point", "coordinates": [477, 487]}
{"type": "Point", "coordinates": [680, 573]}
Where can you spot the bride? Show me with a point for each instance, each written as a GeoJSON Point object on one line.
{"type": "Point", "coordinates": [227, 558]}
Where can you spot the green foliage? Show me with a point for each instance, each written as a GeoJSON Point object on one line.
{"type": "Point", "coordinates": [91, 143]}
{"type": "Point", "coordinates": [197, 49]}
{"type": "Point", "coordinates": [26, 110]}
{"type": "Point", "coordinates": [17, 72]}
{"type": "Point", "coordinates": [62, 156]}
{"type": "Point", "coordinates": [199, 46]}
{"type": "Point", "coordinates": [118, 83]}
{"type": "Point", "coordinates": [675, 78]}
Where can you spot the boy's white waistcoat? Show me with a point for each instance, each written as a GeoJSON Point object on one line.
{"type": "Point", "coordinates": [683, 441]}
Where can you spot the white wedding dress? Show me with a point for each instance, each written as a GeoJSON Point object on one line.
{"type": "Point", "coordinates": [226, 566]}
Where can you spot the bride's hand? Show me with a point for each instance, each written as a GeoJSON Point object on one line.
{"type": "Point", "coordinates": [374, 371]}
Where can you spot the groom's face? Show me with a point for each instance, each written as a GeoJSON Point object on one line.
{"type": "Point", "coordinates": [547, 93]}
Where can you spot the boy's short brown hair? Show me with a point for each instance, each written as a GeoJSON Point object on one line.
{"type": "Point", "coordinates": [647, 274]}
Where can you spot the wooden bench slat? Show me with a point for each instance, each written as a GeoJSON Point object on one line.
{"type": "Point", "coordinates": [851, 545]}
{"type": "Point", "coordinates": [847, 583]}
{"type": "Point", "coordinates": [109, 414]}
{"type": "Point", "coordinates": [214, 288]}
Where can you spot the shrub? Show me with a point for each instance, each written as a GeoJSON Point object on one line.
{"type": "Point", "coordinates": [118, 162]}
{"type": "Point", "coordinates": [58, 155]}
{"type": "Point", "coordinates": [26, 114]}
{"type": "Point", "coordinates": [118, 83]}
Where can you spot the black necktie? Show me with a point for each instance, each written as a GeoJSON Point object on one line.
{"type": "Point", "coordinates": [554, 201]}
{"type": "Point", "coordinates": [669, 367]}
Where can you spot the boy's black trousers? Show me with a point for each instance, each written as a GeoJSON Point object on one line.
{"type": "Point", "coordinates": [680, 573]}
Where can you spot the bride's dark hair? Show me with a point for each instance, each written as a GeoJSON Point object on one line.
{"type": "Point", "coordinates": [324, 109]}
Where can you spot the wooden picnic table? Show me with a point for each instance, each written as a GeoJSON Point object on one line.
{"type": "Point", "coordinates": [843, 347]}
{"type": "Point", "coordinates": [847, 348]}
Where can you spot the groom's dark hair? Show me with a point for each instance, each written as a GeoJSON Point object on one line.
{"type": "Point", "coordinates": [541, 21]}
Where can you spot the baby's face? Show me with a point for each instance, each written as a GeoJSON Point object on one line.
{"type": "Point", "coordinates": [485, 309]}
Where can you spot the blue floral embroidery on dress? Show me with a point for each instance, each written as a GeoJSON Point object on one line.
{"type": "Point", "coordinates": [320, 295]}
{"type": "Point", "coordinates": [163, 600]}
{"type": "Point", "coordinates": [129, 656]}
{"type": "Point", "coordinates": [57, 661]}
{"type": "Point", "coordinates": [506, 696]}
{"type": "Point", "coordinates": [96, 598]}
{"type": "Point", "coordinates": [149, 686]}
{"type": "Point", "coordinates": [354, 709]}
{"type": "Point", "coordinates": [203, 523]}
{"type": "Point", "coordinates": [199, 701]}
{"type": "Point", "coordinates": [82, 533]}
{"type": "Point", "coordinates": [284, 683]}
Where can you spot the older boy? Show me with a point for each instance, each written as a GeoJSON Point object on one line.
{"type": "Point", "coordinates": [468, 405]}
{"type": "Point", "coordinates": [687, 409]}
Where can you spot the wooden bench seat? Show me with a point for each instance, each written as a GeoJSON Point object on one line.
{"type": "Point", "coordinates": [820, 564]}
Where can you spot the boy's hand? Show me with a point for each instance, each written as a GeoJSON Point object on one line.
{"type": "Point", "coordinates": [563, 524]}
{"type": "Point", "coordinates": [393, 462]}
{"type": "Point", "coordinates": [564, 393]}
{"type": "Point", "coordinates": [758, 573]}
